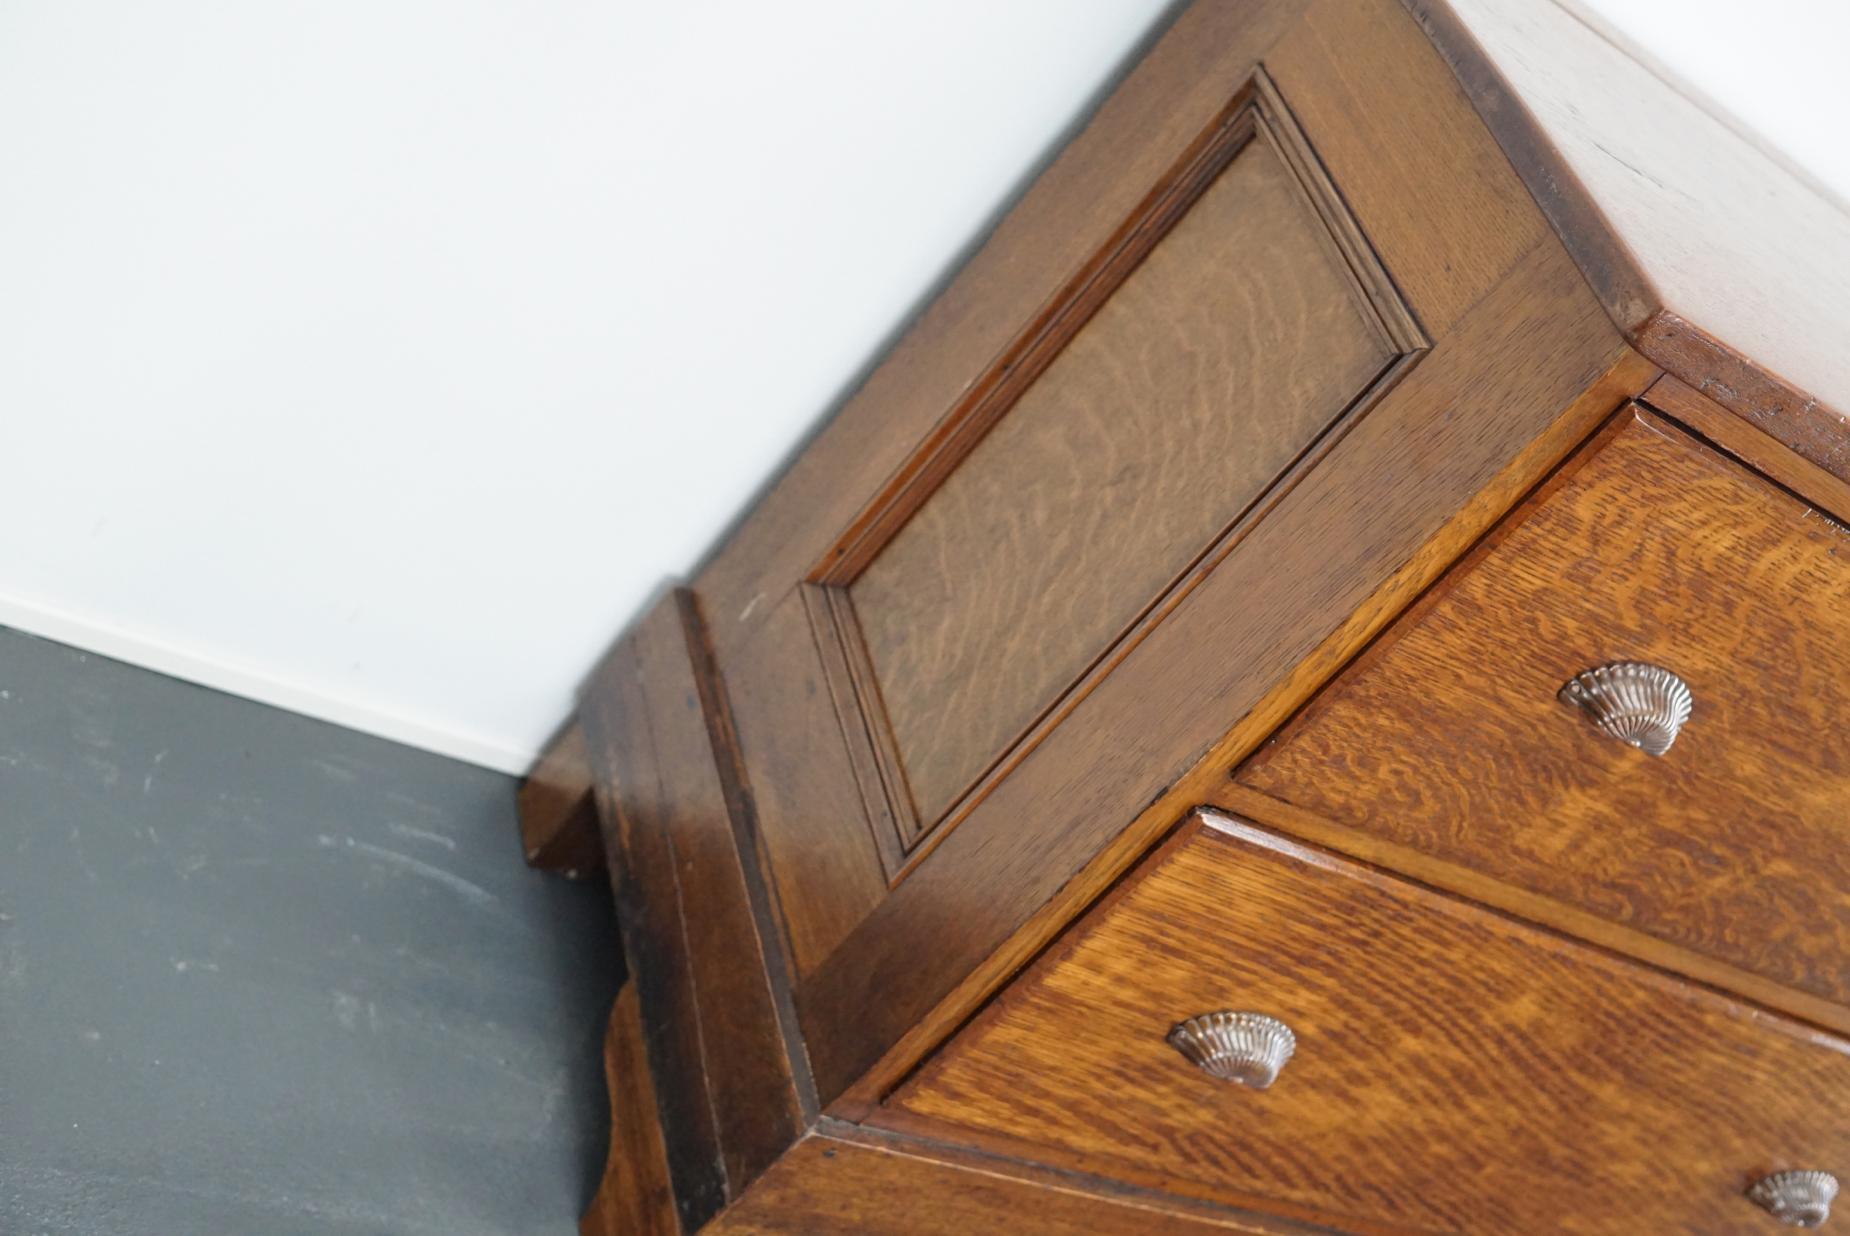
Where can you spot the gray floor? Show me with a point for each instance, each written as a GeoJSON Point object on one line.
{"type": "Point", "coordinates": [260, 974]}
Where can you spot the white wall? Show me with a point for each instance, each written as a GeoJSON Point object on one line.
{"type": "Point", "coordinates": [379, 359]}
{"type": "Point", "coordinates": [1774, 67]}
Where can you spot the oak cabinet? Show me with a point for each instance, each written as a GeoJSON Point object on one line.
{"type": "Point", "coordinates": [1451, 1070]}
{"type": "Point", "coordinates": [1646, 548]}
{"type": "Point", "coordinates": [1355, 547]}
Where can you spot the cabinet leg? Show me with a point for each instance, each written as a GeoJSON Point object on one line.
{"type": "Point", "coordinates": [558, 811]}
{"type": "Point", "coordinates": [635, 1197]}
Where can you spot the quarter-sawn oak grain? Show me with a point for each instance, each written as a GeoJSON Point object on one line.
{"type": "Point", "coordinates": [1234, 343]}
{"type": "Point", "coordinates": [1455, 1070]}
{"type": "Point", "coordinates": [848, 1182]}
{"type": "Point", "coordinates": [732, 781]}
{"type": "Point", "coordinates": [1448, 739]}
{"type": "Point", "coordinates": [1448, 431]}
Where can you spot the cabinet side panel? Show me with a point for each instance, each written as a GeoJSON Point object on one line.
{"type": "Point", "coordinates": [1235, 343]}
{"type": "Point", "coordinates": [723, 1072]}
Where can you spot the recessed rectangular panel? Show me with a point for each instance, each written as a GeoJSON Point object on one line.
{"type": "Point", "coordinates": [1216, 363]}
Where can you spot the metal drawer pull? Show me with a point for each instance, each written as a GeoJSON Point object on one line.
{"type": "Point", "coordinates": [1799, 1199]}
{"type": "Point", "coordinates": [1248, 1048]}
{"type": "Point", "coordinates": [1644, 705]}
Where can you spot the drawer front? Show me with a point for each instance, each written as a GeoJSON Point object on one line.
{"type": "Point", "coordinates": [1449, 738]}
{"type": "Point", "coordinates": [1454, 1070]}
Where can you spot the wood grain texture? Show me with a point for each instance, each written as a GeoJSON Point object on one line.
{"type": "Point", "coordinates": [1447, 432]}
{"type": "Point", "coordinates": [1762, 447]}
{"type": "Point", "coordinates": [1517, 340]}
{"type": "Point", "coordinates": [1555, 913]}
{"type": "Point", "coordinates": [860, 1183]}
{"type": "Point", "coordinates": [1435, 193]}
{"type": "Point", "coordinates": [1447, 738]}
{"type": "Point", "coordinates": [1236, 342]}
{"type": "Point", "coordinates": [819, 854]}
{"type": "Point", "coordinates": [1800, 422]}
{"type": "Point", "coordinates": [1061, 220]}
{"type": "Point", "coordinates": [635, 1197]}
{"type": "Point", "coordinates": [1610, 267]}
{"type": "Point", "coordinates": [557, 806]}
{"type": "Point", "coordinates": [831, 877]}
{"type": "Point", "coordinates": [1206, 781]}
{"type": "Point", "coordinates": [1455, 1071]}
{"type": "Point", "coordinates": [1705, 243]}
{"type": "Point", "coordinates": [726, 1076]}
{"type": "Point", "coordinates": [619, 726]}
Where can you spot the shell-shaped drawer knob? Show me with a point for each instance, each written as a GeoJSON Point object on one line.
{"type": "Point", "coordinates": [1798, 1199]}
{"type": "Point", "coordinates": [1644, 705]}
{"type": "Point", "coordinates": [1248, 1048]}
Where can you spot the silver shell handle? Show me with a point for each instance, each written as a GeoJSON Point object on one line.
{"type": "Point", "coordinates": [1248, 1048]}
{"type": "Point", "coordinates": [1798, 1199]}
{"type": "Point", "coordinates": [1644, 705]}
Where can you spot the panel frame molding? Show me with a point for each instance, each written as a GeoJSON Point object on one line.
{"type": "Point", "coordinates": [901, 835]}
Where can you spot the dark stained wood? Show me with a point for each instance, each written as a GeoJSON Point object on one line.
{"type": "Point", "coordinates": [1718, 258]}
{"type": "Point", "coordinates": [1610, 267]}
{"type": "Point", "coordinates": [1313, 302]}
{"type": "Point", "coordinates": [1518, 341]}
{"type": "Point", "coordinates": [850, 1182]}
{"type": "Point", "coordinates": [744, 968]}
{"type": "Point", "coordinates": [1236, 342]}
{"type": "Point", "coordinates": [558, 809]}
{"type": "Point", "coordinates": [827, 869]}
{"type": "Point", "coordinates": [1062, 220]}
{"type": "Point", "coordinates": [1207, 778]}
{"type": "Point", "coordinates": [830, 877]}
{"type": "Point", "coordinates": [635, 1197]}
{"type": "Point", "coordinates": [1257, 623]}
{"type": "Point", "coordinates": [1763, 447]}
{"type": "Point", "coordinates": [729, 1090]}
{"type": "Point", "coordinates": [1455, 1070]}
{"type": "Point", "coordinates": [1448, 738]}
{"type": "Point", "coordinates": [1800, 422]}
{"type": "Point", "coordinates": [1426, 179]}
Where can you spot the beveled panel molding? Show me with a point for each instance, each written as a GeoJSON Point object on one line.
{"type": "Point", "coordinates": [974, 590]}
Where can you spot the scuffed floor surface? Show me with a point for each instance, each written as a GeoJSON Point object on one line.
{"type": "Point", "coordinates": [260, 974]}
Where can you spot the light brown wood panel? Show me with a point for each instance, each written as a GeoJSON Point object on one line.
{"type": "Point", "coordinates": [857, 1183]}
{"type": "Point", "coordinates": [1481, 239]}
{"type": "Point", "coordinates": [1060, 221]}
{"type": "Point", "coordinates": [826, 869]}
{"type": "Point", "coordinates": [1462, 219]}
{"type": "Point", "coordinates": [1485, 413]}
{"type": "Point", "coordinates": [1761, 447]}
{"type": "Point", "coordinates": [1650, 547]}
{"type": "Point", "coordinates": [1438, 198]}
{"type": "Point", "coordinates": [1235, 343]}
{"type": "Point", "coordinates": [1455, 1070]}
{"type": "Point", "coordinates": [635, 1197]}
{"type": "Point", "coordinates": [1708, 246]}
{"type": "Point", "coordinates": [1525, 903]}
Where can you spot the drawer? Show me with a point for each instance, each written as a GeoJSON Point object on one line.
{"type": "Point", "coordinates": [1449, 738]}
{"type": "Point", "coordinates": [1455, 1070]}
